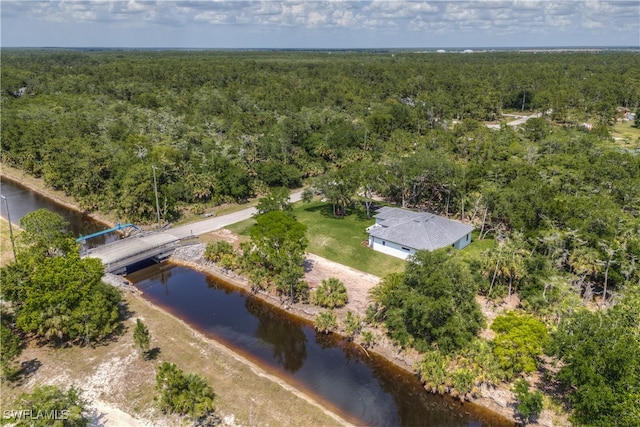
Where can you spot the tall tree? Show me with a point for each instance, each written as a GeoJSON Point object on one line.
{"type": "Point", "coordinates": [56, 294]}
{"type": "Point", "coordinates": [44, 234]}
{"type": "Point", "coordinates": [141, 338]}
{"type": "Point", "coordinates": [277, 199]}
{"type": "Point", "coordinates": [339, 187]}
{"type": "Point", "coordinates": [434, 303]}
{"type": "Point", "coordinates": [276, 250]}
{"type": "Point", "coordinates": [600, 364]}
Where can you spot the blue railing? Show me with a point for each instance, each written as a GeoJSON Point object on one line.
{"type": "Point", "coordinates": [100, 233]}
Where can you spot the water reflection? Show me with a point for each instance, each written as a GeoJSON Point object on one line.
{"type": "Point", "coordinates": [21, 201]}
{"type": "Point", "coordinates": [288, 341]}
{"type": "Point", "coordinates": [365, 389]}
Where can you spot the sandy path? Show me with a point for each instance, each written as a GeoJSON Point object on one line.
{"type": "Point", "coordinates": [357, 282]}
{"type": "Point", "coordinates": [107, 415]}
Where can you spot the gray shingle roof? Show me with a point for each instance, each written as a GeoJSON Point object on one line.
{"type": "Point", "coordinates": [418, 230]}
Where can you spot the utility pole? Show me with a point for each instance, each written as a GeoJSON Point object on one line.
{"type": "Point", "coordinates": [155, 190]}
{"type": "Point", "coordinates": [13, 244]}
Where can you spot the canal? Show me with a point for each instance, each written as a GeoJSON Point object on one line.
{"type": "Point", "coordinates": [365, 389]}
{"type": "Point", "coordinates": [21, 201]}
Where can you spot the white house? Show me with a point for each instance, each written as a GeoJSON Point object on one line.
{"type": "Point", "coordinates": [401, 233]}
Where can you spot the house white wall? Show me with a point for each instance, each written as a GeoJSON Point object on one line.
{"type": "Point", "coordinates": [403, 252]}
{"type": "Point", "coordinates": [463, 242]}
{"type": "Point", "coordinates": [390, 248]}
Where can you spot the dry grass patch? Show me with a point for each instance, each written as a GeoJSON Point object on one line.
{"type": "Point", "coordinates": [116, 375]}
{"type": "Point", "coordinates": [6, 253]}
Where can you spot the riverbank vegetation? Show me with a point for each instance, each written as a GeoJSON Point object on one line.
{"type": "Point", "coordinates": [114, 376]}
{"type": "Point", "coordinates": [557, 196]}
{"type": "Point", "coordinates": [55, 295]}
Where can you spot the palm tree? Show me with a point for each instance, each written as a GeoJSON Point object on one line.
{"type": "Point", "coordinates": [585, 262]}
{"type": "Point", "coordinates": [331, 293]}
{"type": "Point", "coordinates": [326, 322]}
{"type": "Point", "coordinates": [505, 263]}
{"type": "Point", "coordinates": [55, 322]}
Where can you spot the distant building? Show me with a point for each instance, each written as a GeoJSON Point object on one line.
{"type": "Point", "coordinates": [400, 232]}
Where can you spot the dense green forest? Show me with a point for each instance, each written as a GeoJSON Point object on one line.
{"type": "Point", "coordinates": [561, 200]}
{"type": "Point", "coordinates": [223, 125]}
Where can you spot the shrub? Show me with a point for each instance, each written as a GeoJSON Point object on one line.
{"type": "Point", "coordinates": [462, 381]}
{"type": "Point", "coordinates": [326, 322]}
{"type": "Point", "coordinates": [433, 371]}
{"type": "Point", "coordinates": [520, 339]}
{"type": "Point", "coordinates": [352, 324]}
{"type": "Point", "coordinates": [10, 349]}
{"type": "Point", "coordinates": [183, 393]}
{"type": "Point", "coordinates": [529, 403]}
{"type": "Point", "coordinates": [215, 251]}
{"type": "Point", "coordinates": [368, 339]}
{"type": "Point", "coordinates": [50, 400]}
{"type": "Point", "coordinates": [331, 293]}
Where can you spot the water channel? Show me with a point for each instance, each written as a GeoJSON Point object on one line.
{"type": "Point", "coordinates": [21, 201]}
{"type": "Point", "coordinates": [364, 389]}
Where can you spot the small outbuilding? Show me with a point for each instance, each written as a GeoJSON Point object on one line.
{"type": "Point", "coordinates": [400, 232]}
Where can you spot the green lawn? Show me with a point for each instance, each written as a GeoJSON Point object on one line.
{"type": "Point", "coordinates": [476, 248]}
{"type": "Point", "coordinates": [626, 137]}
{"type": "Point", "coordinates": [340, 239]}
{"type": "Point", "coordinates": [626, 130]}
{"type": "Point", "coordinates": [337, 238]}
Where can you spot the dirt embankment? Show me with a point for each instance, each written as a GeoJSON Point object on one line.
{"type": "Point", "coordinates": [358, 284]}
{"type": "Point", "coordinates": [37, 185]}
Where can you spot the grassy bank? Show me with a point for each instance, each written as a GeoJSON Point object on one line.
{"type": "Point", "coordinates": [342, 239]}
{"type": "Point", "coordinates": [627, 131]}
{"type": "Point", "coordinates": [113, 373]}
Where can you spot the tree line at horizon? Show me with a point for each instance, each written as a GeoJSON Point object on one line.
{"type": "Point", "coordinates": [229, 126]}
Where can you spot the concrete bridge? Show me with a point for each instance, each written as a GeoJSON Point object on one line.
{"type": "Point", "coordinates": [116, 256]}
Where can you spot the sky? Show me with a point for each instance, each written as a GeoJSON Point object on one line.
{"type": "Point", "coordinates": [320, 24]}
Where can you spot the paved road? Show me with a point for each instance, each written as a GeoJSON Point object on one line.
{"type": "Point", "coordinates": [517, 122]}
{"type": "Point", "coordinates": [521, 120]}
{"type": "Point", "coordinates": [115, 255]}
{"type": "Point", "coordinates": [215, 223]}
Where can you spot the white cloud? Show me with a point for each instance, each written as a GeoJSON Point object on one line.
{"type": "Point", "coordinates": [405, 20]}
